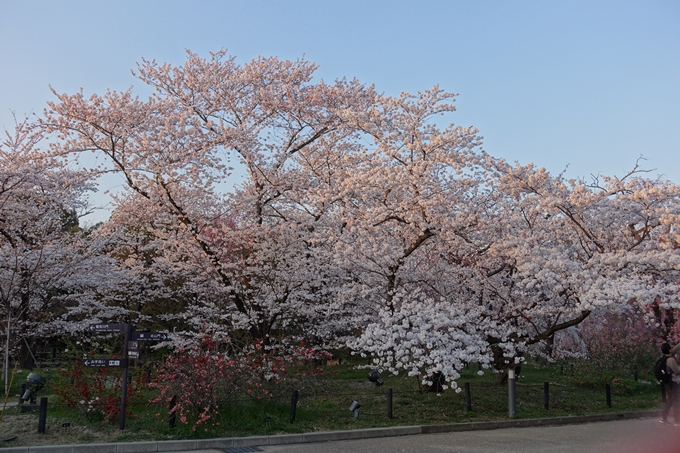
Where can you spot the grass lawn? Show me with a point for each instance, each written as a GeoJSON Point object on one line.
{"type": "Point", "coordinates": [323, 405]}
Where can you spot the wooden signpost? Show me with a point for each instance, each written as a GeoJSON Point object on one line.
{"type": "Point", "coordinates": [131, 342]}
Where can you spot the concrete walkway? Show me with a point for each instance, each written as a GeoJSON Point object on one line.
{"type": "Point", "coordinates": [433, 438]}
{"type": "Point", "coordinates": [624, 436]}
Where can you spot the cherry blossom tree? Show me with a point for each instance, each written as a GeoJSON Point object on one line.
{"type": "Point", "coordinates": [46, 263]}
{"type": "Point", "coordinates": [359, 220]}
{"type": "Point", "coordinates": [173, 151]}
{"type": "Point", "coordinates": [589, 246]}
{"type": "Point", "coordinates": [610, 346]}
{"type": "Point", "coordinates": [547, 253]}
{"type": "Point", "coordinates": [412, 198]}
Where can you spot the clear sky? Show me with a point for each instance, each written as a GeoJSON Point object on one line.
{"type": "Point", "coordinates": [589, 84]}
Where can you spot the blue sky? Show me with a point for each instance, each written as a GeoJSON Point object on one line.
{"type": "Point", "coordinates": [589, 84]}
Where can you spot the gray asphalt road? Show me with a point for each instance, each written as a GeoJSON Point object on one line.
{"type": "Point", "coordinates": [630, 436]}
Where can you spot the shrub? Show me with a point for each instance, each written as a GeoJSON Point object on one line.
{"type": "Point", "coordinates": [202, 377]}
{"type": "Point", "coordinates": [96, 392]}
{"type": "Point", "coordinates": [614, 345]}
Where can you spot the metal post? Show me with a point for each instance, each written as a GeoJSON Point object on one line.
{"type": "Point", "coordinates": [389, 403]}
{"type": "Point", "coordinates": [511, 393]}
{"type": "Point", "coordinates": [293, 405]}
{"type": "Point", "coordinates": [43, 415]}
{"type": "Point", "coordinates": [546, 395]}
{"type": "Point", "coordinates": [608, 390]}
{"type": "Point", "coordinates": [124, 383]}
{"type": "Point", "coordinates": [5, 370]}
{"type": "Point", "coordinates": [173, 414]}
{"type": "Point", "coordinates": [468, 397]}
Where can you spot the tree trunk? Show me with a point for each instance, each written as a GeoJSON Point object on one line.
{"type": "Point", "coordinates": [5, 372]}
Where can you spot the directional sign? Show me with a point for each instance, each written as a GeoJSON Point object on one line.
{"type": "Point", "coordinates": [133, 345]}
{"type": "Point", "coordinates": [107, 327]}
{"type": "Point", "coordinates": [104, 363]}
{"type": "Point", "coordinates": [133, 354]}
{"type": "Point", "coordinates": [149, 336]}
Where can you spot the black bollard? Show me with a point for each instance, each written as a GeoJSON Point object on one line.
{"type": "Point", "coordinates": [608, 390]}
{"type": "Point", "coordinates": [389, 403]}
{"type": "Point", "coordinates": [172, 419]}
{"type": "Point", "coordinates": [468, 397]}
{"type": "Point", "coordinates": [293, 405]}
{"type": "Point", "coordinates": [546, 395]}
{"type": "Point", "coordinates": [43, 415]}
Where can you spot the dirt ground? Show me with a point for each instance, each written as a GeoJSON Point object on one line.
{"type": "Point", "coordinates": [25, 428]}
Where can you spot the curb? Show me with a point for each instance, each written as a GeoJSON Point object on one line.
{"type": "Point", "coordinates": [328, 436]}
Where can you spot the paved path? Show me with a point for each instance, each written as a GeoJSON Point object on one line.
{"type": "Point", "coordinates": [628, 436]}
{"type": "Point", "coordinates": [639, 435]}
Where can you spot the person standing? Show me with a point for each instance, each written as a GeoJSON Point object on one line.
{"type": "Point", "coordinates": [672, 387]}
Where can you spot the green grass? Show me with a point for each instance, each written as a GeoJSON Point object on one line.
{"type": "Point", "coordinates": [323, 405]}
